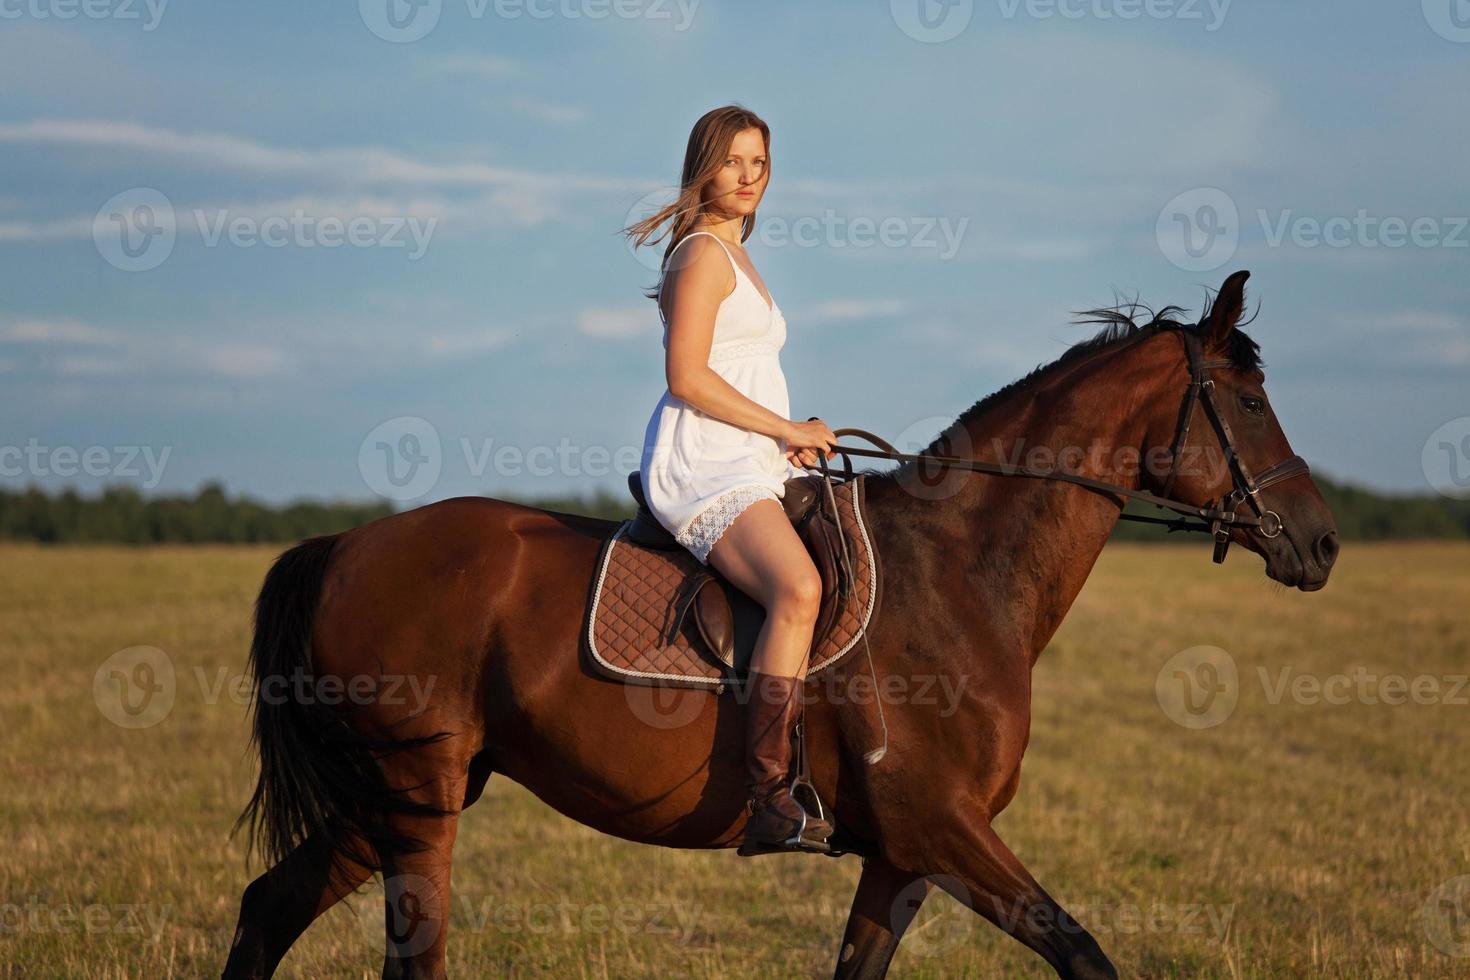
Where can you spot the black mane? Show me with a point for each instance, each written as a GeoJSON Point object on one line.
{"type": "Point", "coordinates": [1121, 325]}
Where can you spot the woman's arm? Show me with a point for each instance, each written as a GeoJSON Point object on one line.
{"type": "Point", "coordinates": [692, 293]}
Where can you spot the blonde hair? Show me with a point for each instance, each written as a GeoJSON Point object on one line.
{"type": "Point", "coordinates": [709, 145]}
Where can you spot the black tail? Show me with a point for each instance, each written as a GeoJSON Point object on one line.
{"type": "Point", "coordinates": [318, 777]}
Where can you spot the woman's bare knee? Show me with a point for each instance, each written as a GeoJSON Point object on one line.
{"type": "Point", "coordinates": [797, 595]}
{"type": "Point", "coordinates": [762, 554]}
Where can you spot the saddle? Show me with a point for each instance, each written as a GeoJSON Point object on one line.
{"type": "Point", "coordinates": [658, 616]}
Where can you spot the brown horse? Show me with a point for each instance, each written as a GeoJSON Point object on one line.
{"type": "Point", "coordinates": [478, 605]}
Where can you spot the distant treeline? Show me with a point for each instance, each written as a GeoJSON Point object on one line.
{"type": "Point", "coordinates": [123, 515]}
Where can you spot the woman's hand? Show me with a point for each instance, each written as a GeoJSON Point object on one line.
{"type": "Point", "coordinates": [802, 457]}
{"type": "Point", "coordinates": [805, 439]}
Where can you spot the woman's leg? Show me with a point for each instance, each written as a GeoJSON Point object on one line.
{"type": "Point", "coordinates": [762, 556]}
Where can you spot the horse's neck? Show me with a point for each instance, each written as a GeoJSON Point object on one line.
{"type": "Point", "coordinates": [1035, 541]}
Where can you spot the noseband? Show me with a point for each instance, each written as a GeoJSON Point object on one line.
{"type": "Point", "coordinates": [1214, 517]}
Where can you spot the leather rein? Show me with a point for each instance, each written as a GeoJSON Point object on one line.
{"type": "Point", "coordinates": [1215, 517]}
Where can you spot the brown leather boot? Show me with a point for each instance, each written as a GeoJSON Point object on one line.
{"type": "Point", "coordinates": [777, 821]}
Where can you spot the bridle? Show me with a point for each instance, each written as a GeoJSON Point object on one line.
{"type": "Point", "coordinates": [1247, 488]}
{"type": "Point", "coordinates": [1216, 517]}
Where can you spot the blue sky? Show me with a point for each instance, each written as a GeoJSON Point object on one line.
{"type": "Point", "coordinates": [1024, 160]}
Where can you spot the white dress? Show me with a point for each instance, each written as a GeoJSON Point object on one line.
{"type": "Point", "coordinates": [699, 472]}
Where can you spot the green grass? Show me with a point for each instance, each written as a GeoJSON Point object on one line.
{"type": "Point", "coordinates": [1294, 839]}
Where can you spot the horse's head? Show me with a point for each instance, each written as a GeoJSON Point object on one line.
{"type": "Point", "coordinates": [1286, 521]}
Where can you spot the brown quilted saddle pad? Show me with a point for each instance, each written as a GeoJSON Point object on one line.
{"type": "Point", "coordinates": [640, 627]}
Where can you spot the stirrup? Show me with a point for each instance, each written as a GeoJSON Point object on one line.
{"type": "Point", "coordinates": [794, 844]}
{"type": "Point", "coordinates": [816, 809]}
{"type": "Point", "coordinates": [797, 842]}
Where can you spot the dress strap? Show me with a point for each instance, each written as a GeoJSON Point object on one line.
{"type": "Point", "coordinates": [717, 238]}
{"type": "Point", "coordinates": [735, 266]}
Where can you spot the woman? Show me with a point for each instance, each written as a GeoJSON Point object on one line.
{"type": "Point", "coordinates": [719, 447]}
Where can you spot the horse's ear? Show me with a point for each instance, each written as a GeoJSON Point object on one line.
{"type": "Point", "coordinates": [1226, 311]}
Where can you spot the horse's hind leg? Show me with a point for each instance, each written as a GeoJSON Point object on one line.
{"type": "Point", "coordinates": [989, 879]}
{"type": "Point", "coordinates": [278, 906]}
{"type": "Point", "coordinates": [886, 901]}
{"type": "Point", "coordinates": [416, 883]}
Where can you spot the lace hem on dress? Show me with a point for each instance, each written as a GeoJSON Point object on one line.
{"type": "Point", "coordinates": [711, 523]}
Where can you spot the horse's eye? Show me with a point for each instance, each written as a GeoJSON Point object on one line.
{"type": "Point", "coordinates": [1253, 405]}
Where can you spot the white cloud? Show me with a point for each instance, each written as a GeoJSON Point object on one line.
{"type": "Point", "coordinates": [470, 342]}
{"type": "Point", "coordinates": [60, 331]}
{"type": "Point", "coordinates": [87, 366]}
{"type": "Point", "coordinates": [244, 361]}
{"type": "Point", "coordinates": [1409, 337]}
{"type": "Point", "coordinates": [408, 219]}
{"type": "Point", "coordinates": [854, 309]}
{"type": "Point", "coordinates": [546, 112]}
{"type": "Point", "coordinates": [619, 324]}
{"type": "Point", "coordinates": [236, 154]}
{"type": "Point", "coordinates": [45, 231]}
{"type": "Point", "coordinates": [80, 348]}
{"type": "Point", "coordinates": [478, 65]}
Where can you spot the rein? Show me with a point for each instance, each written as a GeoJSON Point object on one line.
{"type": "Point", "coordinates": [1214, 517]}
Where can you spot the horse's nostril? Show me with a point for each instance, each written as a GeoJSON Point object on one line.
{"type": "Point", "coordinates": [1326, 548]}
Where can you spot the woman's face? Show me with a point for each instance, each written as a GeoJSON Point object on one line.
{"type": "Point", "coordinates": [741, 181]}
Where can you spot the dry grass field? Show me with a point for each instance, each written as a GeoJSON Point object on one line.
{"type": "Point", "coordinates": [1318, 829]}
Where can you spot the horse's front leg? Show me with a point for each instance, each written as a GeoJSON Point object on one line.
{"type": "Point", "coordinates": [886, 901]}
{"type": "Point", "coordinates": [986, 877]}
